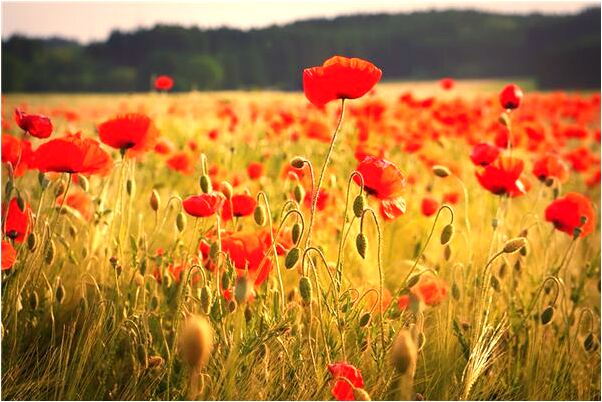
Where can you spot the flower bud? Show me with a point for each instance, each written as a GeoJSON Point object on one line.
{"type": "Point", "coordinates": [60, 188]}
{"type": "Point", "coordinates": [205, 183]}
{"type": "Point", "coordinates": [205, 298]}
{"type": "Point", "coordinates": [515, 244]}
{"type": "Point", "coordinates": [33, 300]}
{"type": "Point", "coordinates": [297, 162]}
{"type": "Point", "coordinates": [31, 241]}
{"type": "Point", "coordinates": [447, 233]}
{"type": "Point", "coordinates": [305, 289]}
{"type": "Point", "coordinates": [547, 315]}
{"type": "Point", "coordinates": [60, 293]}
{"type": "Point", "coordinates": [359, 204]}
{"type": "Point", "coordinates": [50, 251]}
{"type": "Point", "coordinates": [291, 258]}
{"type": "Point", "coordinates": [413, 280]}
{"type": "Point", "coordinates": [83, 182]}
{"type": "Point", "coordinates": [155, 201]}
{"type": "Point", "coordinates": [298, 193]}
{"type": "Point", "coordinates": [226, 189]}
{"type": "Point", "coordinates": [43, 180]}
{"type": "Point", "coordinates": [455, 290]}
{"type": "Point", "coordinates": [361, 242]}
{"type": "Point", "coordinates": [181, 222]}
{"type": "Point", "coordinates": [225, 280]}
{"type": "Point", "coordinates": [441, 171]}
{"type": "Point", "coordinates": [232, 306]}
{"type": "Point", "coordinates": [130, 187]}
{"type": "Point", "coordinates": [296, 233]}
{"type": "Point", "coordinates": [364, 319]}
{"type": "Point", "coordinates": [259, 215]}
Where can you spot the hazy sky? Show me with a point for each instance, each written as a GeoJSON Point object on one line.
{"type": "Point", "coordinates": [87, 21]}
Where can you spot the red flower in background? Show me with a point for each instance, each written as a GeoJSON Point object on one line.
{"type": "Point", "coordinates": [181, 162]}
{"type": "Point", "coordinates": [16, 152]}
{"type": "Point", "coordinates": [17, 221]}
{"type": "Point", "coordinates": [321, 202]}
{"type": "Point", "coordinates": [430, 290]}
{"type": "Point", "coordinates": [551, 166]}
{"type": "Point", "coordinates": [131, 131]}
{"type": "Point", "coordinates": [342, 390]}
{"type": "Point", "coordinates": [238, 206]}
{"type": "Point", "coordinates": [339, 78]}
{"type": "Point", "coordinates": [392, 208]}
{"type": "Point", "coordinates": [72, 154]}
{"type": "Point", "coordinates": [447, 83]}
{"type": "Point", "coordinates": [9, 255]}
{"type": "Point", "coordinates": [483, 154]}
{"type": "Point", "coordinates": [429, 206]}
{"type": "Point", "coordinates": [382, 178]}
{"type": "Point", "coordinates": [204, 205]}
{"type": "Point", "coordinates": [80, 201]}
{"type": "Point", "coordinates": [570, 212]}
{"type": "Point", "coordinates": [503, 177]}
{"type": "Point", "coordinates": [255, 170]}
{"type": "Point", "coordinates": [164, 146]}
{"type": "Point", "coordinates": [511, 96]}
{"type": "Point", "coordinates": [163, 83]}
{"type": "Point", "coordinates": [34, 124]}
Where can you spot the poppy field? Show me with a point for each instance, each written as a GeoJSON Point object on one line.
{"type": "Point", "coordinates": [360, 240]}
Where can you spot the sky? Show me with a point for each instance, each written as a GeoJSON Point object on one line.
{"type": "Point", "coordinates": [93, 21]}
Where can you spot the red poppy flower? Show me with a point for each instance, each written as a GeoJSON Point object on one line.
{"type": "Point", "coordinates": [570, 212]}
{"type": "Point", "coordinates": [451, 198]}
{"type": "Point", "coordinates": [37, 125]}
{"type": "Point", "coordinates": [483, 154]}
{"type": "Point", "coordinates": [339, 78]}
{"type": "Point", "coordinates": [247, 251]}
{"type": "Point", "coordinates": [9, 255]}
{"type": "Point", "coordinates": [72, 154]}
{"type": "Point", "coordinates": [181, 162]}
{"type": "Point", "coordinates": [164, 146]}
{"type": "Point", "coordinates": [17, 221]}
{"type": "Point", "coordinates": [511, 96]}
{"type": "Point", "coordinates": [16, 152]}
{"type": "Point", "coordinates": [204, 205]}
{"type": "Point", "coordinates": [429, 206]}
{"type": "Point", "coordinates": [128, 132]}
{"type": "Point", "coordinates": [551, 165]}
{"type": "Point", "coordinates": [430, 290]}
{"type": "Point", "coordinates": [342, 390]}
{"type": "Point", "coordinates": [255, 170]}
{"type": "Point", "coordinates": [447, 83]}
{"type": "Point", "coordinates": [320, 203]}
{"type": "Point", "coordinates": [79, 201]}
{"type": "Point", "coordinates": [164, 83]}
{"type": "Point", "coordinates": [503, 177]}
{"type": "Point", "coordinates": [239, 205]}
{"type": "Point", "coordinates": [382, 178]}
{"type": "Point", "coordinates": [392, 208]}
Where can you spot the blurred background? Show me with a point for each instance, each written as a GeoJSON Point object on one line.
{"type": "Point", "coordinates": [121, 47]}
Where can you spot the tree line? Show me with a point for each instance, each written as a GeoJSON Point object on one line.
{"type": "Point", "coordinates": [558, 51]}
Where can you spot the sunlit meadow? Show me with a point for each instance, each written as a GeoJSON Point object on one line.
{"type": "Point", "coordinates": [176, 246]}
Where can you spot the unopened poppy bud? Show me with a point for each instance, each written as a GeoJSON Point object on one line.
{"type": "Point", "coordinates": [226, 189]}
{"type": "Point", "coordinates": [413, 280]}
{"type": "Point", "coordinates": [504, 119]}
{"type": "Point", "coordinates": [50, 251]}
{"type": "Point", "coordinates": [547, 315]}
{"type": "Point", "coordinates": [31, 241]}
{"type": "Point", "coordinates": [361, 243]}
{"type": "Point", "coordinates": [494, 223]}
{"type": "Point", "coordinates": [259, 215]}
{"type": "Point", "coordinates": [225, 280]}
{"type": "Point", "coordinates": [248, 313]}
{"type": "Point", "coordinates": [143, 266]}
{"type": "Point", "coordinates": [523, 251]}
{"type": "Point", "coordinates": [447, 252]}
{"type": "Point", "coordinates": [365, 319]}
{"type": "Point", "coordinates": [360, 394]}
{"type": "Point", "coordinates": [60, 188]}
{"type": "Point", "coordinates": [291, 258]}
{"type": "Point", "coordinates": [359, 204]}
{"type": "Point", "coordinates": [155, 201]}
{"type": "Point", "coordinates": [577, 233]}
{"type": "Point", "coordinates": [589, 342]}
{"type": "Point", "coordinates": [232, 306]}
{"type": "Point", "coordinates": [60, 293]}
{"type": "Point", "coordinates": [154, 303]}
{"type": "Point", "coordinates": [213, 250]}
{"type": "Point", "coordinates": [8, 188]}
{"type": "Point", "coordinates": [205, 183]}
{"type": "Point", "coordinates": [33, 300]}
{"type": "Point", "coordinates": [455, 290]}
{"type": "Point", "coordinates": [305, 289]}
{"type": "Point", "coordinates": [298, 193]}
{"type": "Point", "coordinates": [242, 289]}
{"type": "Point", "coordinates": [205, 298]}
{"type": "Point", "coordinates": [20, 202]}
{"type": "Point", "coordinates": [513, 245]}
{"type": "Point", "coordinates": [130, 187]}
{"type": "Point", "coordinates": [441, 171]}
{"type": "Point", "coordinates": [72, 231]}
{"type": "Point", "coordinates": [495, 283]}
{"type": "Point", "coordinates": [549, 182]}
{"type": "Point", "coordinates": [297, 162]}
{"type": "Point", "coordinates": [180, 222]}
{"type": "Point", "coordinates": [296, 233]}
{"type": "Point", "coordinates": [43, 180]}
{"type": "Point", "coordinates": [447, 233]}
{"type": "Point", "coordinates": [404, 353]}
{"type": "Point", "coordinates": [83, 182]}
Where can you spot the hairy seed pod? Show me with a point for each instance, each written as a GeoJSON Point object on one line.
{"type": "Point", "coordinates": [205, 183]}
{"type": "Point", "coordinates": [515, 244]}
{"type": "Point", "coordinates": [305, 289]}
{"type": "Point", "coordinates": [50, 252]}
{"type": "Point", "coordinates": [226, 189]}
{"type": "Point", "coordinates": [296, 233]}
{"type": "Point", "coordinates": [31, 241]}
{"type": "Point", "coordinates": [447, 234]}
{"type": "Point", "coordinates": [298, 193]}
{"type": "Point", "coordinates": [441, 171]}
{"type": "Point", "coordinates": [361, 243]}
{"type": "Point", "coordinates": [404, 353]}
{"type": "Point", "coordinates": [205, 298]}
{"type": "Point", "coordinates": [225, 281]}
{"type": "Point", "coordinates": [181, 222]}
{"type": "Point", "coordinates": [413, 280]}
{"type": "Point", "coordinates": [359, 203]}
{"type": "Point", "coordinates": [547, 315]}
{"type": "Point", "coordinates": [291, 258]}
{"type": "Point", "coordinates": [259, 215]}
{"type": "Point", "coordinates": [242, 289]}
{"type": "Point", "coordinates": [155, 200]}
{"type": "Point", "coordinates": [365, 319]}
{"type": "Point", "coordinates": [360, 394]}
{"type": "Point", "coordinates": [196, 341]}
{"type": "Point", "coordinates": [297, 162]}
